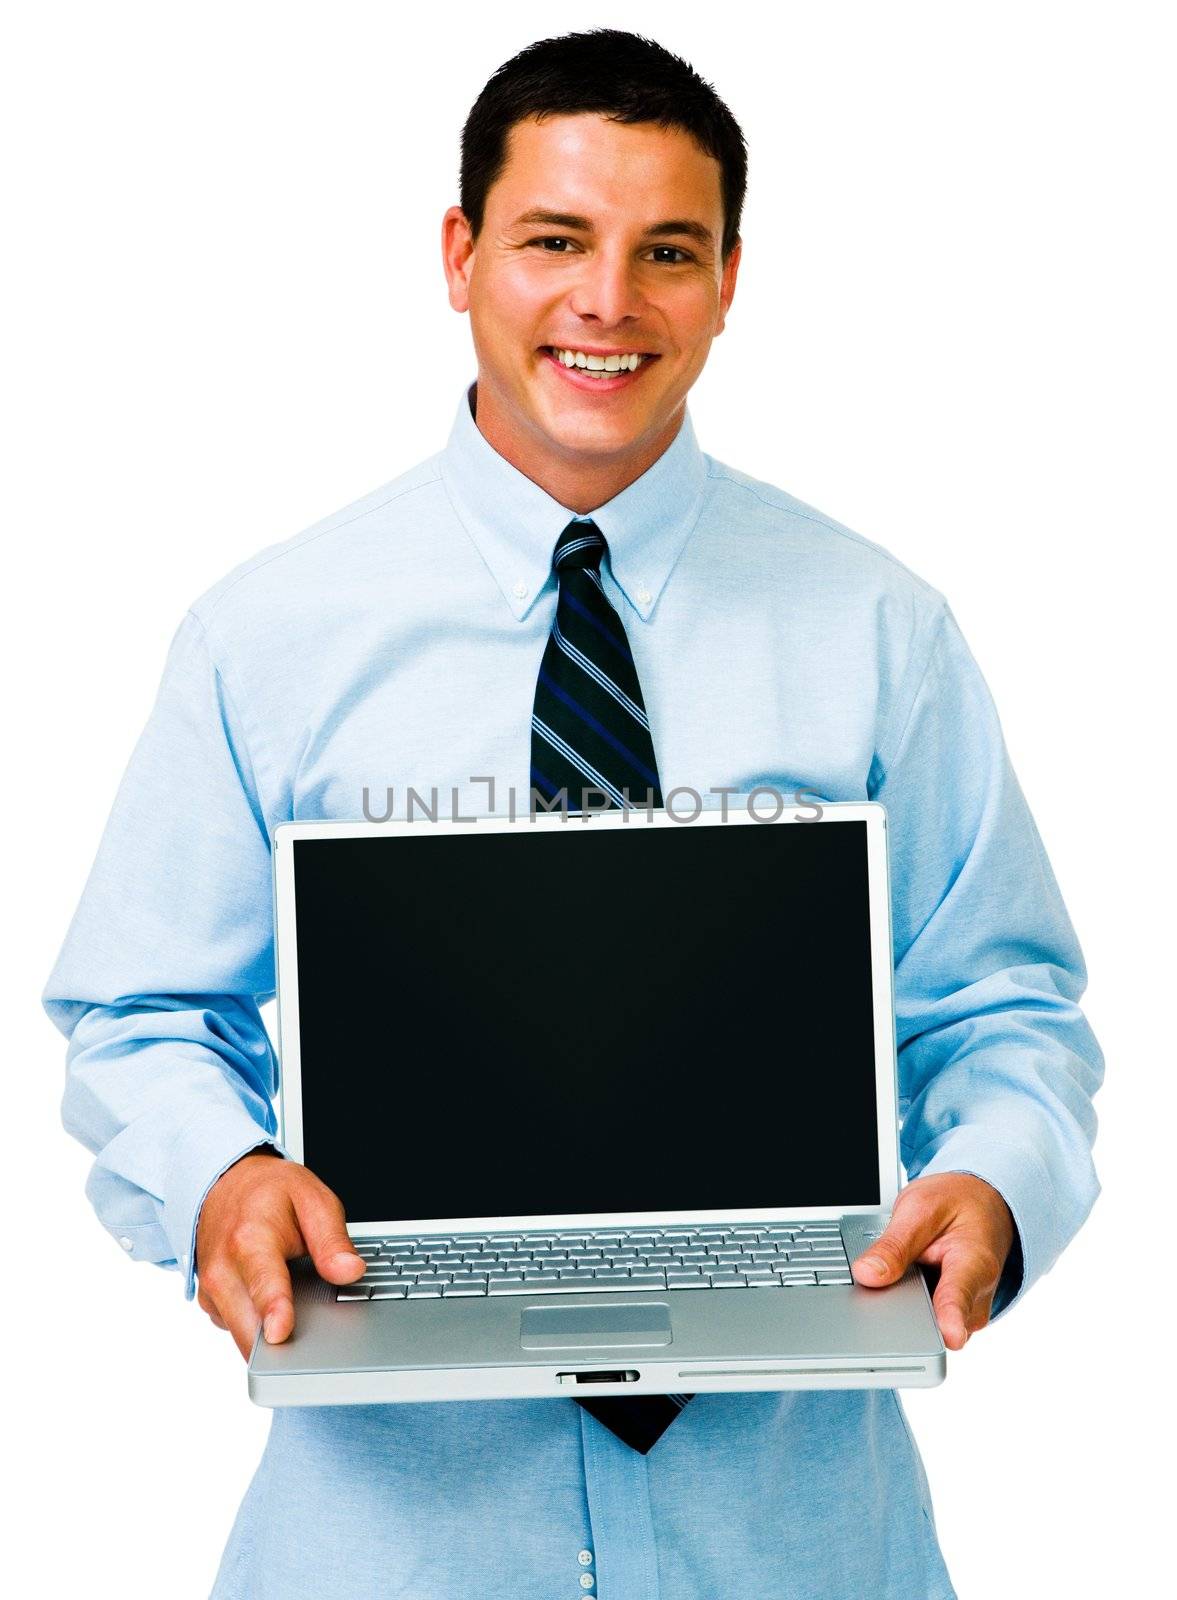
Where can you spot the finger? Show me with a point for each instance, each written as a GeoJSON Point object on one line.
{"type": "Point", "coordinates": [233, 1304]}
{"type": "Point", "coordinates": [324, 1228]}
{"type": "Point", "coordinates": [205, 1302]}
{"type": "Point", "coordinates": [916, 1222]}
{"type": "Point", "coordinates": [953, 1305]}
{"type": "Point", "coordinates": [267, 1281]}
{"type": "Point", "coordinates": [982, 1310]}
{"type": "Point", "coordinates": [964, 1295]}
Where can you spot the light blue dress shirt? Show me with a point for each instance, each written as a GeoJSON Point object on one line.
{"type": "Point", "coordinates": [396, 644]}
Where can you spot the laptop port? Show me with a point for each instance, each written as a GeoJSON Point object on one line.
{"type": "Point", "coordinates": [597, 1377]}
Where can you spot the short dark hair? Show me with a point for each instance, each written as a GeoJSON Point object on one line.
{"type": "Point", "coordinates": [622, 76]}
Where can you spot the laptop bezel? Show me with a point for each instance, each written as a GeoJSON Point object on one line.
{"type": "Point", "coordinates": [739, 813]}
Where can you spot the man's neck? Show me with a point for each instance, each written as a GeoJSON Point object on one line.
{"type": "Point", "coordinates": [580, 485]}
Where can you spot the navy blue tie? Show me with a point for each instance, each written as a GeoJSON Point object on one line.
{"type": "Point", "coordinates": [590, 739]}
{"type": "Point", "coordinates": [589, 731]}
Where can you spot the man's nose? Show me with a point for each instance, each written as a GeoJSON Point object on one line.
{"type": "Point", "coordinates": [607, 289]}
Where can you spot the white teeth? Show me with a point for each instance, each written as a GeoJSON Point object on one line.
{"type": "Point", "coordinates": [599, 365]}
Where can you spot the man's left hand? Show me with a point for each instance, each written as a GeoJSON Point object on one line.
{"type": "Point", "coordinates": [958, 1223]}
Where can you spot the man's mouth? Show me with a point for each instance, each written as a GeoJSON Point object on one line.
{"type": "Point", "coordinates": [598, 366]}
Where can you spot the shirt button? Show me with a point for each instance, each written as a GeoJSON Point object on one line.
{"type": "Point", "coordinates": [521, 590]}
{"type": "Point", "coordinates": [585, 1558]}
{"type": "Point", "coordinates": [127, 1244]}
{"type": "Point", "coordinates": [644, 596]}
{"type": "Point", "coordinates": [586, 1580]}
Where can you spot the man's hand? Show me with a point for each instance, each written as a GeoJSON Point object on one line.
{"type": "Point", "coordinates": [260, 1212]}
{"type": "Point", "coordinates": [958, 1223]}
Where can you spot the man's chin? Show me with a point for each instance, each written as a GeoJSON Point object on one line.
{"type": "Point", "coordinates": [590, 437]}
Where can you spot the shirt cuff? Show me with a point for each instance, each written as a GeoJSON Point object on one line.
{"type": "Point", "coordinates": [205, 1149]}
{"type": "Point", "coordinates": [1022, 1181]}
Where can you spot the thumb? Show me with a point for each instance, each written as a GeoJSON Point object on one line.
{"type": "Point", "coordinates": [324, 1231]}
{"type": "Point", "coordinates": [907, 1235]}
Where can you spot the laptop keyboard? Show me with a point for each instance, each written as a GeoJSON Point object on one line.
{"type": "Point", "coordinates": [744, 1256]}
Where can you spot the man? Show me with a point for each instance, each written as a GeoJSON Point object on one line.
{"type": "Point", "coordinates": [415, 638]}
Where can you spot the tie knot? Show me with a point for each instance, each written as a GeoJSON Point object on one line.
{"type": "Point", "coordinates": [581, 545]}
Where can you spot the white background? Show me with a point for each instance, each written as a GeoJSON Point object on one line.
{"type": "Point", "coordinates": [953, 330]}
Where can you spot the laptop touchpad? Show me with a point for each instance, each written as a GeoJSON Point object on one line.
{"type": "Point", "coordinates": [594, 1327]}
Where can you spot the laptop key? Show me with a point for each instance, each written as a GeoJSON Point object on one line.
{"type": "Point", "coordinates": [353, 1292]}
{"type": "Point", "coordinates": [468, 1287]}
{"type": "Point", "coordinates": [424, 1291]}
{"type": "Point", "coordinates": [533, 1286]}
{"type": "Point", "coordinates": [390, 1291]}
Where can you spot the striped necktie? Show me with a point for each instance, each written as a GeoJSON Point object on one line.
{"type": "Point", "coordinates": [590, 733]}
{"type": "Point", "coordinates": [589, 730]}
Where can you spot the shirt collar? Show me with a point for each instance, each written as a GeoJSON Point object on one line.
{"type": "Point", "coordinates": [515, 524]}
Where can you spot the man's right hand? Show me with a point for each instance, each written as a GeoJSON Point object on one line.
{"type": "Point", "coordinates": [261, 1212]}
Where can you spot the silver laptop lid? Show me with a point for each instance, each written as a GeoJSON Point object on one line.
{"type": "Point", "coordinates": [563, 1022]}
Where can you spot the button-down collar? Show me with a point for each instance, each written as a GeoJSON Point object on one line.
{"type": "Point", "coordinates": [515, 524]}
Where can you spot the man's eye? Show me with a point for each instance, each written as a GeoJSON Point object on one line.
{"type": "Point", "coordinates": [554, 239]}
{"type": "Point", "coordinates": [685, 254]}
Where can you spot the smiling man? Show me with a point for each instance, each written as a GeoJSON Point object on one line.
{"type": "Point", "coordinates": [574, 599]}
{"type": "Point", "coordinates": [592, 315]}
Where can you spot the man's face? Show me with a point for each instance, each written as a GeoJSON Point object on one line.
{"type": "Point", "coordinates": [609, 270]}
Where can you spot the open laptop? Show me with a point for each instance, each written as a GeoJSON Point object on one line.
{"type": "Point", "coordinates": [610, 1103]}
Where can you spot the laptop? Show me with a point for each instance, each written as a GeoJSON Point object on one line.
{"type": "Point", "coordinates": [609, 1100]}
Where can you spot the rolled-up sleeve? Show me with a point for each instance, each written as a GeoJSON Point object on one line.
{"type": "Point", "coordinates": [170, 1076]}
{"type": "Point", "coordinates": [997, 1063]}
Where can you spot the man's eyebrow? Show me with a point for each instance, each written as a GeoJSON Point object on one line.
{"type": "Point", "coordinates": [656, 230]}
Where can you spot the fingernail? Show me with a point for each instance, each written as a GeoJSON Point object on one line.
{"type": "Point", "coordinates": [268, 1327]}
{"type": "Point", "coordinates": [875, 1263]}
{"type": "Point", "coordinates": [345, 1258]}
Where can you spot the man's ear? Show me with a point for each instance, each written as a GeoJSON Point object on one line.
{"type": "Point", "coordinates": [727, 286]}
{"type": "Point", "coordinates": [457, 256]}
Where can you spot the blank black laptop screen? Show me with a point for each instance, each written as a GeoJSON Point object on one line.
{"type": "Point", "coordinates": [575, 1019]}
